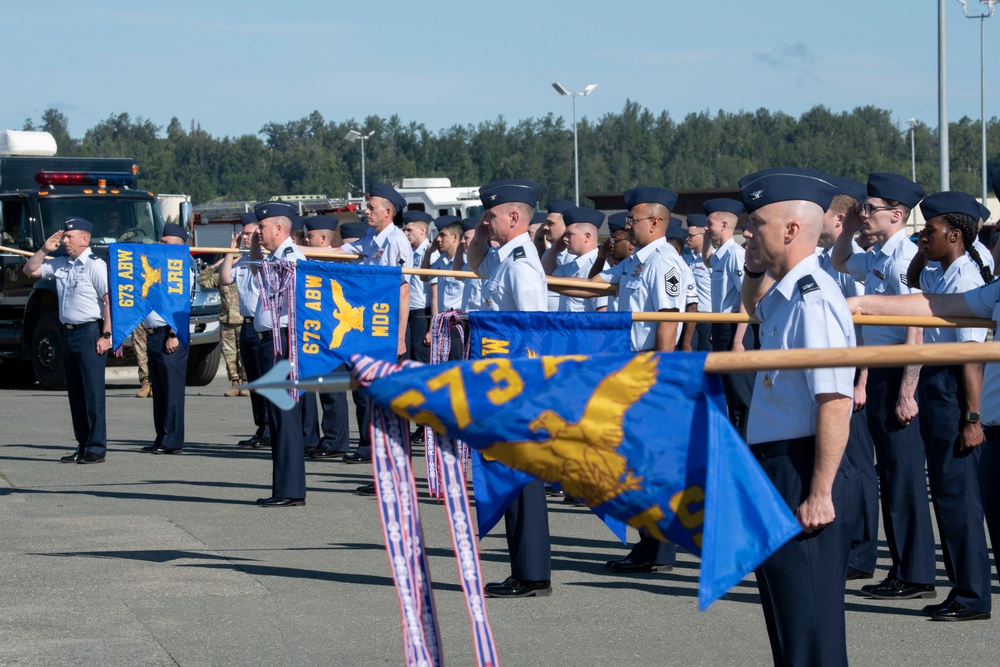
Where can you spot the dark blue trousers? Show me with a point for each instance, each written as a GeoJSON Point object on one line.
{"type": "Point", "coordinates": [527, 525]}
{"type": "Point", "coordinates": [168, 376]}
{"type": "Point", "coordinates": [954, 482]}
{"type": "Point", "coordinates": [737, 387]}
{"type": "Point", "coordinates": [250, 352]}
{"type": "Point", "coordinates": [989, 473]}
{"type": "Point", "coordinates": [361, 414]}
{"type": "Point", "coordinates": [310, 420]}
{"type": "Point", "coordinates": [417, 324]}
{"type": "Point", "coordinates": [651, 550]}
{"type": "Point", "coordinates": [336, 431]}
{"type": "Point", "coordinates": [702, 341]}
{"type": "Point", "coordinates": [288, 461]}
{"type": "Point", "coordinates": [864, 503]}
{"type": "Point", "coordinates": [85, 386]}
{"type": "Point", "coordinates": [899, 455]}
{"type": "Point", "coordinates": [802, 584]}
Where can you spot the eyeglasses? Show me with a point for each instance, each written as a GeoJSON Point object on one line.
{"type": "Point", "coordinates": [868, 209]}
{"type": "Point", "coordinates": [631, 221]}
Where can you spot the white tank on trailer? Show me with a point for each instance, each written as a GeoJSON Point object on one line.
{"type": "Point", "coordinates": [25, 142]}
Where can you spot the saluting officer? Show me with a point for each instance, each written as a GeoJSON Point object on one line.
{"type": "Point", "coordinates": [472, 288]}
{"type": "Point", "coordinates": [236, 269]}
{"type": "Point", "coordinates": [892, 405]}
{"type": "Point", "coordinates": [580, 242]}
{"type": "Point", "coordinates": [799, 419]}
{"type": "Point", "coordinates": [384, 244]}
{"type": "Point", "coordinates": [82, 287]}
{"type": "Point", "coordinates": [514, 280]}
{"type": "Point", "coordinates": [167, 369]}
{"type": "Point", "coordinates": [288, 479]}
{"type": "Point", "coordinates": [612, 252]}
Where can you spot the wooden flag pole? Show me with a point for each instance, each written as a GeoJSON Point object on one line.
{"type": "Point", "coordinates": [870, 320]}
{"type": "Point", "coordinates": [16, 251]}
{"type": "Point", "coordinates": [931, 354]}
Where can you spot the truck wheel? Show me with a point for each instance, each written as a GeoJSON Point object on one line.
{"type": "Point", "coordinates": [203, 364]}
{"type": "Point", "coordinates": [47, 352]}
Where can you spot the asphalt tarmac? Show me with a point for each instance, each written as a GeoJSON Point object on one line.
{"type": "Point", "coordinates": [166, 560]}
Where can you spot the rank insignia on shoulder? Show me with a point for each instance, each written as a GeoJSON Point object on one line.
{"type": "Point", "coordinates": [518, 253]}
{"type": "Point", "coordinates": [807, 284]}
{"type": "Point", "coordinates": [288, 251]}
{"type": "Point", "coordinates": [401, 261]}
{"type": "Point", "coordinates": [902, 279]}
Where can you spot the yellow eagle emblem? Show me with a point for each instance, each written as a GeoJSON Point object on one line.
{"type": "Point", "coordinates": [349, 318]}
{"type": "Point", "coordinates": [582, 456]}
{"type": "Point", "coordinates": [150, 276]}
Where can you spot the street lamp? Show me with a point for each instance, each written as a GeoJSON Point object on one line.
{"type": "Point", "coordinates": [353, 136]}
{"type": "Point", "coordinates": [913, 150]}
{"type": "Point", "coordinates": [576, 149]}
{"type": "Point", "coordinates": [988, 12]}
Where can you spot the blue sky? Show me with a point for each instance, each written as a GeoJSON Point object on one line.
{"type": "Point", "coordinates": [235, 65]}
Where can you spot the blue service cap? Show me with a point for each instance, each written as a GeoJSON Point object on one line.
{"type": "Point", "coordinates": [995, 177]}
{"type": "Point", "coordinates": [248, 218]}
{"type": "Point", "coordinates": [560, 206]}
{"type": "Point", "coordinates": [78, 224]}
{"type": "Point", "coordinates": [616, 221]}
{"type": "Point", "coordinates": [539, 217]}
{"type": "Point", "coordinates": [940, 203]}
{"type": "Point", "coordinates": [676, 230]}
{"type": "Point", "coordinates": [637, 196]}
{"type": "Point", "coordinates": [298, 222]}
{"type": "Point", "coordinates": [894, 187]}
{"type": "Point", "coordinates": [786, 184]}
{"type": "Point", "coordinates": [170, 229]}
{"type": "Point", "coordinates": [851, 188]}
{"type": "Point", "coordinates": [272, 209]}
{"type": "Point", "coordinates": [509, 190]}
{"type": "Point", "coordinates": [446, 220]}
{"type": "Point", "coordinates": [325, 222]}
{"type": "Point", "coordinates": [417, 216]}
{"type": "Point", "coordinates": [722, 204]}
{"type": "Point", "coordinates": [984, 213]}
{"type": "Point", "coordinates": [697, 220]}
{"type": "Point", "coordinates": [577, 214]}
{"type": "Point", "coordinates": [470, 224]}
{"type": "Point", "coordinates": [353, 230]}
{"type": "Point", "coordinates": [388, 192]}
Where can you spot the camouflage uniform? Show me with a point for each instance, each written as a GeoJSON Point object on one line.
{"type": "Point", "coordinates": [230, 322]}
{"type": "Point", "coordinates": [139, 347]}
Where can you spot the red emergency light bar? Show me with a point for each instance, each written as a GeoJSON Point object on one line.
{"type": "Point", "coordinates": [102, 178]}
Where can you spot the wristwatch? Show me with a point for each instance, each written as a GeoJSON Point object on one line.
{"type": "Point", "coordinates": [971, 417]}
{"type": "Point", "coordinates": [171, 334]}
{"type": "Point", "coordinates": [753, 274]}
{"type": "Point", "coordinates": [106, 335]}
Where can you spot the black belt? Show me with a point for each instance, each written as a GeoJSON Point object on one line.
{"type": "Point", "coordinates": [248, 320]}
{"type": "Point", "coordinates": [992, 433]}
{"type": "Point", "coordinates": [775, 448]}
{"type": "Point", "coordinates": [156, 330]}
{"type": "Point", "coordinates": [269, 334]}
{"type": "Point", "coordinates": [82, 325]}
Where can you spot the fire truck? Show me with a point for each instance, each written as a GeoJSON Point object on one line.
{"type": "Point", "coordinates": [38, 191]}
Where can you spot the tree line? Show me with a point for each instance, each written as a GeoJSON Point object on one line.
{"type": "Point", "coordinates": [617, 151]}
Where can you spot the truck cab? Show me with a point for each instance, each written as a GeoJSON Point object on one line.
{"type": "Point", "coordinates": [37, 194]}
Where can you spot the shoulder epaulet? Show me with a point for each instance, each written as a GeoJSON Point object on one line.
{"type": "Point", "coordinates": [903, 279]}
{"type": "Point", "coordinates": [807, 284]}
{"type": "Point", "coordinates": [401, 261]}
{"type": "Point", "coordinates": [518, 252]}
{"type": "Point", "coordinates": [288, 251]}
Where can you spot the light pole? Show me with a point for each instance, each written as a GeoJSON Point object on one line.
{"type": "Point", "coordinates": [988, 12]}
{"type": "Point", "coordinates": [944, 155]}
{"type": "Point", "coordinates": [576, 149]}
{"type": "Point", "coordinates": [913, 149]}
{"type": "Point", "coordinates": [353, 136]}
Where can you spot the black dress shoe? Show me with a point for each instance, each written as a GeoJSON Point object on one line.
{"type": "Point", "coordinates": [854, 573]}
{"type": "Point", "coordinates": [630, 565]}
{"type": "Point", "coordinates": [366, 490]}
{"type": "Point", "coordinates": [932, 609]}
{"type": "Point", "coordinates": [249, 442]}
{"type": "Point", "coordinates": [515, 588]}
{"type": "Point", "coordinates": [160, 449]}
{"type": "Point", "coordinates": [956, 611]}
{"type": "Point", "coordinates": [321, 453]}
{"type": "Point", "coordinates": [72, 458]}
{"type": "Point", "coordinates": [417, 435]}
{"type": "Point", "coordinates": [356, 458]}
{"type": "Point", "coordinates": [897, 589]}
{"type": "Point", "coordinates": [282, 502]}
{"type": "Point", "coordinates": [553, 491]}
{"type": "Point", "coordinates": [90, 457]}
